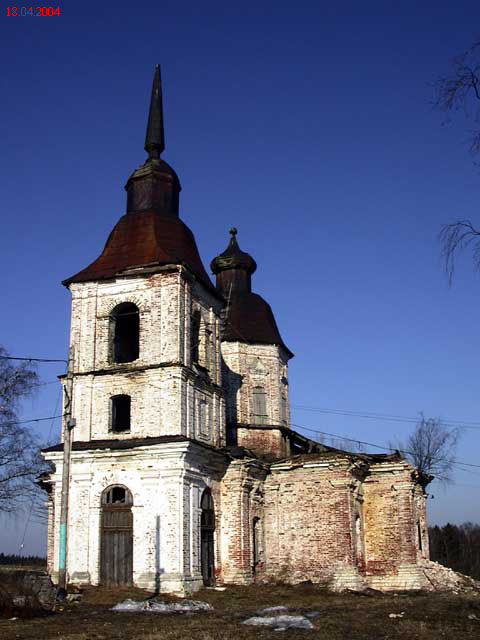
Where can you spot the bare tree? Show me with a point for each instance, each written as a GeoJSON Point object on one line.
{"type": "Point", "coordinates": [454, 238]}
{"type": "Point", "coordinates": [431, 448]}
{"type": "Point", "coordinates": [459, 90]}
{"type": "Point", "coordinates": [19, 460]}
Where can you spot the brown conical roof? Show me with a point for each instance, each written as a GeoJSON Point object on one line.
{"type": "Point", "coordinates": [249, 318]}
{"type": "Point", "coordinates": [145, 238]}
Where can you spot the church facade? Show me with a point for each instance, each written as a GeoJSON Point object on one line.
{"type": "Point", "coordinates": [184, 469]}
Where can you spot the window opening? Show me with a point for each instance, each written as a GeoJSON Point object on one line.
{"type": "Point", "coordinates": [121, 406]}
{"type": "Point", "coordinates": [284, 409]}
{"type": "Point", "coordinates": [256, 543]}
{"type": "Point", "coordinates": [195, 336]}
{"type": "Point", "coordinates": [207, 538]}
{"type": "Point", "coordinates": [208, 510]}
{"type": "Point", "coordinates": [125, 325]}
{"type": "Point", "coordinates": [419, 533]}
{"type": "Point", "coordinates": [117, 496]}
{"type": "Point", "coordinates": [259, 405]}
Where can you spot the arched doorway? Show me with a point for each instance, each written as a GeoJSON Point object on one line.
{"type": "Point", "coordinates": [207, 533]}
{"type": "Point", "coordinates": [116, 545]}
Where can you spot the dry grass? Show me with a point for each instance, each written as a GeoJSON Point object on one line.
{"type": "Point", "coordinates": [342, 617]}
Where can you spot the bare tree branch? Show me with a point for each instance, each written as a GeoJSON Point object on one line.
{"type": "Point", "coordinates": [454, 238]}
{"type": "Point", "coordinates": [19, 459]}
{"type": "Point", "coordinates": [460, 88]}
{"type": "Point", "coordinates": [431, 448]}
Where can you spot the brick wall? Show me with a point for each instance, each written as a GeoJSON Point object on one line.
{"type": "Point", "coordinates": [308, 520]}
{"type": "Point", "coordinates": [327, 518]}
{"type": "Point", "coordinates": [246, 366]}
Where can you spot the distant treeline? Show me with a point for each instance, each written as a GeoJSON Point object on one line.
{"type": "Point", "coordinates": [13, 559]}
{"type": "Point", "coordinates": [457, 547]}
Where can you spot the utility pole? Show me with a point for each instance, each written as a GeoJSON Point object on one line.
{"type": "Point", "coordinates": [68, 425]}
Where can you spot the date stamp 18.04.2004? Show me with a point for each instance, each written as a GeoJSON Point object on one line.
{"type": "Point", "coordinates": [33, 11]}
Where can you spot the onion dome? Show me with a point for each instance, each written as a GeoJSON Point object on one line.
{"type": "Point", "coordinates": [151, 232]}
{"type": "Point", "coordinates": [233, 263]}
{"type": "Point", "coordinates": [248, 317]}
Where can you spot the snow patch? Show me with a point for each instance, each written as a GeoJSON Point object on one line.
{"type": "Point", "coordinates": [262, 612]}
{"type": "Point", "coordinates": [280, 623]}
{"type": "Point", "coordinates": [162, 607]}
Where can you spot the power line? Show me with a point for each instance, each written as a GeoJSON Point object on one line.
{"type": "Point", "coordinates": [384, 416]}
{"type": "Point", "coordinates": [53, 418]}
{"type": "Point", "coordinates": [31, 359]}
{"type": "Point", "coordinates": [4, 424]}
{"type": "Point", "coordinates": [370, 444]}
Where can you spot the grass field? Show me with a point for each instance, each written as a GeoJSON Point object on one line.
{"type": "Point", "coordinates": [341, 616]}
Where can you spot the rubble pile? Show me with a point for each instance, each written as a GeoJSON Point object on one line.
{"type": "Point", "coordinates": [440, 578]}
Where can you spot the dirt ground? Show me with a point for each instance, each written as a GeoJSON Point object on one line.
{"type": "Point", "coordinates": [341, 616]}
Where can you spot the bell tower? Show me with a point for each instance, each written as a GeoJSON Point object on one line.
{"type": "Point", "coordinates": [147, 394]}
{"type": "Point", "coordinates": [145, 317]}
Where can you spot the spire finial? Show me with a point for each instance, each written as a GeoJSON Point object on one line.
{"type": "Point", "coordinates": [233, 231]}
{"type": "Point", "coordinates": [155, 138]}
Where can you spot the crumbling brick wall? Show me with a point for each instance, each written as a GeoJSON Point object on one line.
{"type": "Point", "coordinates": [242, 502]}
{"type": "Point", "coordinates": [308, 520]}
{"type": "Point", "coordinates": [329, 517]}
{"type": "Point", "coordinates": [389, 514]}
{"type": "Point", "coordinates": [268, 443]}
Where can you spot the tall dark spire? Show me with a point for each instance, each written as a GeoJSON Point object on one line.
{"type": "Point", "coordinates": [154, 185]}
{"type": "Point", "coordinates": [155, 137]}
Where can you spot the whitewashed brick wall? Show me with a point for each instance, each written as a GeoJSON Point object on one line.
{"type": "Point", "coordinates": [165, 390]}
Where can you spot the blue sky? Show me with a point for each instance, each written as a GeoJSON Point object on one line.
{"type": "Point", "coordinates": [310, 128]}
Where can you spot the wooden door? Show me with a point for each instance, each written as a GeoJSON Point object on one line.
{"type": "Point", "coordinates": [116, 547]}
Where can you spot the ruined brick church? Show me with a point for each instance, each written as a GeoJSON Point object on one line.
{"type": "Point", "coordinates": [184, 468]}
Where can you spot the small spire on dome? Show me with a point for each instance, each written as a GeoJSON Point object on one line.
{"type": "Point", "coordinates": [233, 231]}
{"type": "Point", "coordinates": [155, 137]}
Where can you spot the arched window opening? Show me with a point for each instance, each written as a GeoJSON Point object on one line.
{"type": "Point", "coordinates": [120, 412]}
{"type": "Point", "coordinates": [206, 340]}
{"type": "Point", "coordinates": [207, 537]}
{"type": "Point", "coordinates": [256, 543]}
{"type": "Point", "coordinates": [419, 536]}
{"type": "Point", "coordinates": [259, 405]}
{"type": "Point", "coordinates": [195, 336]}
{"type": "Point", "coordinates": [203, 416]}
{"type": "Point", "coordinates": [117, 496]}
{"type": "Point", "coordinates": [359, 543]}
{"type": "Point", "coordinates": [125, 332]}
